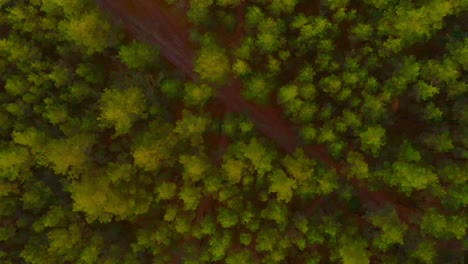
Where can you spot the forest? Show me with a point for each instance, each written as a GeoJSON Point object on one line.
{"type": "Point", "coordinates": [233, 131]}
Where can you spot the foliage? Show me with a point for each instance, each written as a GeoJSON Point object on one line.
{"type": "Point", "coordinates": [212, 63]}
{"type": "Point", "coordinates": [138, 55]}
{"type": "Point", "coordinates": [294, 131]}
{"type": "Point", "coordinates": [89, 32]}
{"type": "Point", "coordinates": [392, 230]}
{"type": "Point", "coordinates": [120, 108]}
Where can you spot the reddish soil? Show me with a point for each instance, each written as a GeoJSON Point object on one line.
{"type": "Point", "coordinates": [157, 23]}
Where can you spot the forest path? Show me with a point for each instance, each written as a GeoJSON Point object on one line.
{"type": "Point", "coordinates": [165, 26]}
{"type": "Point", "coordinates": [156, 23]}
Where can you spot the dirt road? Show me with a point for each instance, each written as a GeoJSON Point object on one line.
{"type": "Point", "coordinates": [157, 23]}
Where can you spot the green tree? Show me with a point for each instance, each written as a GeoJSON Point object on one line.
{"type": "Point", "coordinates": [257, 89]}
{"type": "Point", "coordinates": [36, 196]}
{"type": "Point", "coordinates": [440, 226]}
{"type": "Point", "coordinates": [69, 156]}
{"type": "Point", "coordinates": [282, 185]}
{"type": "Point", "coordinates": [358, 166]}
{"type": "Point", "coordinates": [454, 176]}
{"type": "Point", "coordinates": [425, 91]}
{"type": "Point", "coordinates": [92, 73]}
{"type": "Point", "coordinates": [440, 142]}
{"type": "Point", "coordinates": [269, 35]}
{"type": "Point", "coordinates": [409, 153]}
{"type": "Point", "coordinates": [331, 84]}
{"type": "Point", "coordinates": [63, 242]}
{"type": "Point", "coordinates": [199, 11]}
{"type": "Point", "coordinates": [219, 244]}
{"type": "Point", "coordinates": [233, 170]}
{"type": "Point", "coordinates": [287, 93]}
{"type": "Point", "coordinates": [259, 156]}
{"type": "Point", "coordinates": [227, 218]}
{"type": "Point", "coordinates": [171, 88]}
{"type": "Point", "coordinates": [55, 113]}
{"type": "Point", "coordinates": [372, 139]}
{"type": "Point", "coordinates": [195, 167]}
{"type": "Point", "coordinates": [244, 256]}
{"type": "Point", "coordinates": [121, 108]}
{"type": "Point", "coordinates": [425, 252]}
{"type": "Point", "coordinates": [283, 6]}
{"type": "Point", "coordinates": [308, 133]}
{"type": "Point", "coordinates": [254, 15]}
{"type": "Point", "coordinates": [89, 32]}
{"type": "Point", "coordinates": [60, 75]}
{"type": "Point", "coordinates": [241, 68]}
{"type": "Point", "coordinates": [410, 177]}
{"type": "Point", "coordinates": [197, 95]}
{"type": "Point", "coordinates": [326, 181]}
{"type": "Point", "coordinates": [16, 85]}
{"type": "Point", "coordinates": [362, 31]}
{"type": "Point", "coordinates": [138, 55]}
{"type": "Point", "coordinates": [212, 63]}
{"type": "Point", "coordinates": [299, 166]}
{"type": "Point", "coordinates": [353, 251]}
{"type": "Point", "coordinates": [101, 194]}
{"type": "Point", "coordinates": [14, 162]}
{"type": "Point", "coordinates": [192, 127]}
{"type": "Point", "coordinates": [154, 148]}
{"type": "Point", "coordinates": [277, 212]}
{"type": "Point", "coordinates": [191, 197]}
{"type": "Point", "coordinates": [392, 229]}
{"type": "Point", "coordinates": [166, 190]}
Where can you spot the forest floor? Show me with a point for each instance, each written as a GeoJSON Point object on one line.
{"type": "Point", "coordinates": [163, 25]}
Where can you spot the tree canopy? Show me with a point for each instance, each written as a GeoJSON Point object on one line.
{"type": "Point", "coordinates": [232, 131]}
